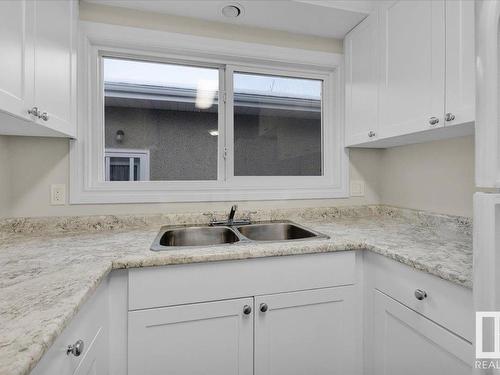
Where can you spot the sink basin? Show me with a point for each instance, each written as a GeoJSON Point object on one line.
{"type": "Point", "coordinates": [177, 237]}
{"type": "Point", "coordinates": [282, 231]}
{"type": "Point", "coordinates": [194, 236]}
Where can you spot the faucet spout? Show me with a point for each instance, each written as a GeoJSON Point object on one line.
{"type": "Point", "coordinates": [230, 217]}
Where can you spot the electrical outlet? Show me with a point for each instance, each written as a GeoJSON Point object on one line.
{"type": "Point", "coordinates": [57, 194]}
{"type": "Point", "coordinates": [357, 188]}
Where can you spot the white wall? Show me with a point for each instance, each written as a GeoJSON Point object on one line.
{"type": "Point", "coordinates": [435, 176]}
{"type": "Point", "coordinates": [36, 163]}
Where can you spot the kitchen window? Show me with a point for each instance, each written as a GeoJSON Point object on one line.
{"type": "Point", "coordinates": [213, 129]}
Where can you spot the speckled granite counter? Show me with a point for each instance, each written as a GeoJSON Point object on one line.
{"type": "Point", "coordinates": [50, 267]}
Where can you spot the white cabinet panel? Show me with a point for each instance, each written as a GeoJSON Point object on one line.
{"type": "Point", "coordinates": [309, 332]}
{"type": "Point", "coordinates": [406, 342]}
{"type": "Point", "coordinates": [487, 149]}
{"type": "Point", "coordinates": [159, 286]}
{"type": "Point", "coordinates": [55, 62]}
{"type": "Point", "coordinates": [412, 66]}
{"type": "Point", "coordinates": [361, 89]}
{"type": "Point", "coordinates": [16, 56]}
{"type": "Point", "coordinates": [94, 361]}
{"type": "Point", "coordinates": [91, 326]}
{"type": "Point", "coordinates": [460, 57]}
{"type": "Point", "coordinates": [197, 339]}
{"type": "Point", "coordinates": [38, 67]}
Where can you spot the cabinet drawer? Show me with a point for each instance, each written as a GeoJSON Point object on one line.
{"type": "Point", "coordinates": [446, 303]}
{"type": "Point", "coordinates": [406, 342]}
{"type": "Point", "coordinates": [89, 326]}
{"type": "Point", "coordinates": [191, 283]}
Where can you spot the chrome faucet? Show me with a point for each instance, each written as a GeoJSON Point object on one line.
{"type": "Point", "coordinates": [230, 219]}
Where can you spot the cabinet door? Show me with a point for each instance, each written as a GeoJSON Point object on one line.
{"type": "Point", "coordinates": [94, 362]}
{"type": "Point", "coordinates": [16, 56]}
{"type": "Point", "coordinates": [55, 63]}
{"type": "Point", "coordinates": [361, 116]}
{"type": "Point", "coordinates": [405, 342]}
{"type": "Point", "coordinates": [460, 67]}
{"type": "Point", "coordinates": [198, 339]}
{"type": "Point", "coordinates": [412, 66]}
{"type": "Point", "coordinates": [309, 332]}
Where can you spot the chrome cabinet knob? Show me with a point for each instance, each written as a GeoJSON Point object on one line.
{"type": "Point", "coordinates": [420, 294]}
{"type": "Point", "coordinates": [263, 307]}
{"type": "Point", "coordinates": [44, 116]}
{"type": "Point", "coordinates": [76, 349]}
{"type": "Point", "coordinates": [433, 121]}
{"type": "Point", "coordinates": [449, 117]}
{"type": "Point", "coordinates": [371, 134]}
{"type": "Point", "coordinates": [247, 310]}
{"type": "Point", "coordinates": [34, 111]}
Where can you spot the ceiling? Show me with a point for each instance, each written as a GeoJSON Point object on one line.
{"type": "Point", "coordinates": [325, 18]}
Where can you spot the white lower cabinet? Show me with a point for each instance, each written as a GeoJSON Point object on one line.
{"type": "Point", "coordinates": [288, 333]}
{"type": "Point", "coordinates": [308, 332]}
{"type": "Point", "coordinates": [415, 323]}
{"type": "Point", "coordinates": [406, 342]}
{"type": "Point", "coordinates": [90, 327]}
{"type": "Point", "coordinates": [197, 339]}
{"type": "Point", "coordinates": [345, 313]}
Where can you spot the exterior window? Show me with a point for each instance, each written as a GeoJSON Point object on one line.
{"type": "Point", "coordinates": [127, 165]}
{"type": "Point", "coordinates": [277, 126]}
{"type": "Point", "coordinates": [182, 120]}
{"type": "Point", "coordinates": [169, 110]}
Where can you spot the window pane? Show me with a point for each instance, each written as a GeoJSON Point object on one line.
{"type": "Point", "coordinates": [119, 169]}
{"type": "Point", "coordinates": [170, 110]}
{"type": "Point", "coordinates": [277, 126]}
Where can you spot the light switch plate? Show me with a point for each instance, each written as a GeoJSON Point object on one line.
{"type": "Point", "coordinates": [357, 188]}
{"type": "Point", "coordinates": [57, 194]}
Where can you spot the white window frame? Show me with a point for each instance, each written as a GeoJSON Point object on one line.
{"type": "Point", "coordinates": [87, 174]}
{"type": "Point", "coordinates": [142, 155]}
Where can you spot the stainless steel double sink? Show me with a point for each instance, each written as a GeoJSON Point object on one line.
{"type": "Point", "coordinates": [176, 237]}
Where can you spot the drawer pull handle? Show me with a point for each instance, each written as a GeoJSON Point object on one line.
{"type": "Point", "coordinates": [76, 349]}
{"type": "Point", "coordinates": [449, 117]}
{"type": "Point", "coordinates": [44, 116]}
{"type": "Point", "coordinates": [263, 307]}
{"type": "Point", "coordinates": [247, 310]}
{"type": "Point", "coordinates": [420, 294]}
{"type": "Point", "coordinates": [433, 121]}
{"type": "Point", "coordinates": [34, 111]}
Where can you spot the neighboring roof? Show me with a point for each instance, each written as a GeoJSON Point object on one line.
{"type": "Point", "coordinates": [184, 99]}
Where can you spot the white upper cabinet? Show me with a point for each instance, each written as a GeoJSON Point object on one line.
{"type": "Point", "coordinates": [460, 66]}
{"type": "Point", "coordinates": [55, 62]}
{"type": "Point", "coordinates": [38, 67]}
{"type": "Point", "coordinates": [424, 60]}
{"type": "Point", "coordinates": [412, 61]}
{"type": "Point", "coordinates": [15, 79]}
{"type": "Point", "coordinates": [362, 82]}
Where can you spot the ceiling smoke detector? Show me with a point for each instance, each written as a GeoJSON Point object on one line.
{"type": "Point", "coordinates": [233, 10]}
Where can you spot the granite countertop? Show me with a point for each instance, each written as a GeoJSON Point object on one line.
{"type": "Point", "coordinates": [51, 266]}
